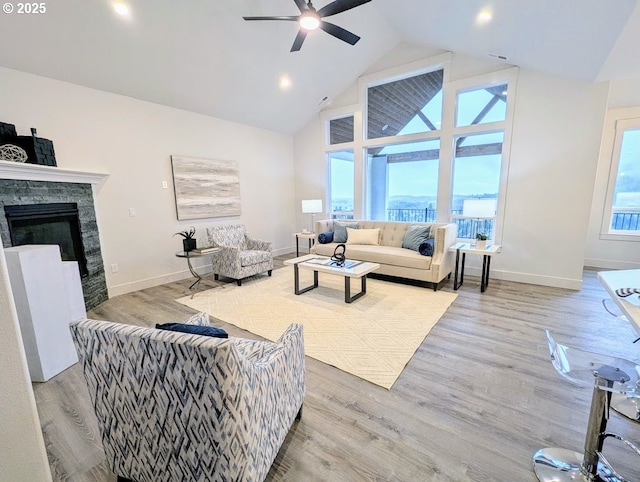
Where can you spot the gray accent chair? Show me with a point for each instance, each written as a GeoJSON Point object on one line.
{"type": "Point", "coordinates": [241, 256]}
{"type": "Point", "coordinates": [181, 407]}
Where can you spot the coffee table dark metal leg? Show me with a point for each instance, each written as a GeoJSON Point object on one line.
{"type": "Point", "coordinates": [296, 281]}
{"type": "Point", "coordinates": [347, 289]}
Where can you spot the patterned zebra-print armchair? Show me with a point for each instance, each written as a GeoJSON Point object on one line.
{"type": "Point", "coordinates": [240, 255]}
{"type": "Point", "coordinates": [181, 407]}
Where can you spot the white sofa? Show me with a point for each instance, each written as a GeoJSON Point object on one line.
{"type": "Point", "coordinates": [394, 260]}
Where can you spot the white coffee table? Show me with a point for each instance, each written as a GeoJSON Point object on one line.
{"type": "Point", "coordinates": [352, 269]}
{"type": "Point", "coordinates": [486, 252]}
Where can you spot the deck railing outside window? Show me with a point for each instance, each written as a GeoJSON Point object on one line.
{"type": "Point", "coordinates": [341, 215]}
{"type": "Point", "coordinates": [467, 227]}
{"type": "Point", "coordinates": [625, 219]}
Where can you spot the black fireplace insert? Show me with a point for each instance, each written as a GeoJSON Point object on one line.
{"type": "Point", "coordinates": [52, 223]}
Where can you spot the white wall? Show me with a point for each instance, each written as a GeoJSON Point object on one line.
{"type": "Point", "coordinates": [554, 153]}
{"type": "Point", "coordinates": [132, 141]}
{"type": "Point", "coordinates": [22, 451]}
{"type": "Point", "coordinates": [624, 102]}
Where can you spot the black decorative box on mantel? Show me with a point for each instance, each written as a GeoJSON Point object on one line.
{"type": "Point", "coordinates": [39, 151]}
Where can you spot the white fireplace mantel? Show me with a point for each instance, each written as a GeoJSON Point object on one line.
{"type": "Point", "coordinates": [35, 172]}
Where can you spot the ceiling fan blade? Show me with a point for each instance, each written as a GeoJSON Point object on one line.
{"type": "Point", "coordinates": [340, 6]}
{"type": "Point", "coordinates": [297, 43]}
{"type": "Point", "coordinates": [339, 33]}
{"type": "Point", "coordinates": [295, 19]}
{"type": "Point", "coordinates": [302, 5]}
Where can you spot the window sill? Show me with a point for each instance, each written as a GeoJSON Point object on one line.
{"type": "Point", "coordinates": [632, 236]}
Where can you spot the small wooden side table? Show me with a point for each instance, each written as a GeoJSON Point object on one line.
{"type": "Point", "coordinates": [309, 236]}
{"type": "Point", "coordinates": [486, 253]}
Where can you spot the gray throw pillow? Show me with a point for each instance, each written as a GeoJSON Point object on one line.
{"type": "Point", "coordinates": [415, 235]}
{"type": "Point", "coordinates": [340, 230]}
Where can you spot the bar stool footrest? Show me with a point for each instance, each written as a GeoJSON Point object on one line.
{"type": "Point", "coordinates": [555, 464]}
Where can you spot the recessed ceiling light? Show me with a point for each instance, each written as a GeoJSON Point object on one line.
{"type": "Point", "coordinates": [285, 82]}
{"type": "Point", "coordinates": [484, 16]}
{"type": "Point", "coordinates": [121, 8]}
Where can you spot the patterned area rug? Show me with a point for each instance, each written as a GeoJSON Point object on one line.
{"type": "Point", "coordinates": [373, 338]}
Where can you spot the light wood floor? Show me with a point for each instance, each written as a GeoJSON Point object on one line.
{"type": "Point", "coordinates": [479, 397]}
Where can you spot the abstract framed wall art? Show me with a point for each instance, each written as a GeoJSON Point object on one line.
{"type": "Point", "coordinates": [205, 188]}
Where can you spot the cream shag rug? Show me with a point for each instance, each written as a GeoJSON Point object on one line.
{"type": "Point", "coordinates": [373, 338]}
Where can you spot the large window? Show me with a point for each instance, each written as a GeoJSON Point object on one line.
{"type": "Point", "coordinates": [623, 207]}
{"type": "Point", "coordinates": [476, 183]}
{"type": "Point", "coordinates": [419, 147]}
{"type": "Point", "coordinates": [402, 181]}
{"type": "Point", "coordinates": [341, 172]}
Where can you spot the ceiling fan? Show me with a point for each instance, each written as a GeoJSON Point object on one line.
{"type": "Point", "coordinates": [310, 19]}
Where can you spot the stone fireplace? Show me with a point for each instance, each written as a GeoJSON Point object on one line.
{"type": "Point", "coordinates": [48, 205]}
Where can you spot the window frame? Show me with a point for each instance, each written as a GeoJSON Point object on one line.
{"type": "Point", "coordinates": [445, 134]}
{"type": "Point", "coordinates": [510, 77]}
{"type": "Point", "coordinates": [620, 125]}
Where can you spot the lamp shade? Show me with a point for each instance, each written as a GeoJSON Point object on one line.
{"type": "Point", "coordinates": [311, 206]}
{"type": "Point", "coordinates": [479, 208]}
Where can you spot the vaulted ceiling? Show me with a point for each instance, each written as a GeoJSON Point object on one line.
{"type": "Point", "coordinates": [202, 57]}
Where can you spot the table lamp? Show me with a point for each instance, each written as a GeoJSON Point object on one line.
{"type": "Point", "coordinates": [479, 210]}
{"type": "Point", "coordinates": [312, 206]}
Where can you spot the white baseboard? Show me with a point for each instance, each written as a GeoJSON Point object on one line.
{"type": "Point", "coordinates": [125, 288]}
{"type": "Point", "coordinates": [287, 250]}
{"type": "Point", "coordinates": [610, 264]}
{"type": "Point", "coordinates": [555, 282]}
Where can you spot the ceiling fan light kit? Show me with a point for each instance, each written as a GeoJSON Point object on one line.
{"type": "Point", "coordinates": [310, 19]}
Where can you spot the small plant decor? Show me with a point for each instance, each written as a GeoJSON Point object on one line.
{"type": "Point", "coordinates": [189, 241]}
{"type": "Point", "coordinates": [481, 241]}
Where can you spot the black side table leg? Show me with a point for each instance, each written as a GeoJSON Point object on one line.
{"type": "Point", "coordinates": [484, 281]}
{"type": "Point", "coordinates": [455, 276]}
{"type": "Point", "coordinates": [297, 248]}
{"type": "Point", "coordinates": [483, 275]}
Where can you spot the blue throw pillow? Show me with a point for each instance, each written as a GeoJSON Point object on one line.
{"type": "Point", "coordinates": [325, 238]}
{"type": "Point", "coordinates": [426, 247]}
{"type": "Point", "coordinates": [340, 230]}
{"type": "Point", "coordinates": [194, 329]}
{"type": "Point", "coordinates": [414, 236]}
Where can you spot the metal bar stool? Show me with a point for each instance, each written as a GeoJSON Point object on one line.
{"type": "Point", "coordinates": [607, 375]}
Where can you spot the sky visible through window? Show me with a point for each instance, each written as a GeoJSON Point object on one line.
{"type": "Point", "coordinates": [477, 176]}
{"type": "Point", "coordinates": [627, 192]}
